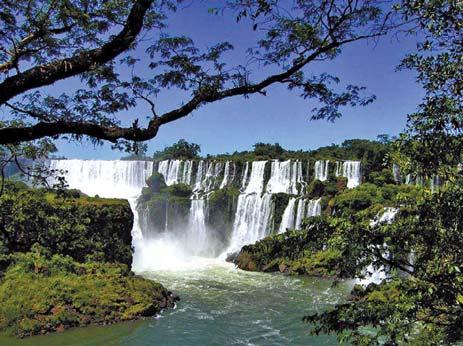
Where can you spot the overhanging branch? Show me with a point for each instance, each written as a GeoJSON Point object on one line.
{"type": "Point", "coordinates": [112, 134]}
{"type": "Point", "coordinates": [57, 70]}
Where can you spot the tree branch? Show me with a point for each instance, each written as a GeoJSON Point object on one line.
{"type": "Point", "coordinates": [49, 73]}
{"type": "Point", "coordinates": [112, 134]}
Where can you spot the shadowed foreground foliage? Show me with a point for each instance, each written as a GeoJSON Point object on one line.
{"type": "Point", "coordinates": [421, 302]}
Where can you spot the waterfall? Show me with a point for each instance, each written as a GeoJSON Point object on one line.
{"type": "Point", "coordinates": [256, 179]}
{"type": "Point", "coordinates": [251, 220]}
{"type": "Point", "coordinates": [244, 180]}
{"type": "Point", "coordinates": [284, 177]}
{"type": "Point", "coordinates": [170, 169]}
{"type": "Point", "coordinates": [351, 170]}
{"type": "Point", "coordinates": [300, 213]}
{"type": "Point", "coordinates": [110, 179]}
{"type": "Point", "coordinates": [191, 234]}
{"type": "Point", "coordinates": [176, 171]}
{"type": "Point", "coordinates": [321, 170]}
{"type": "Point", "coordinates": [287, 221]}
{"type": "Point", "coordinates": [314, 208]}
{"type": "Point", "coordinates": [253, 211]}
{"type": "Point", "coordinates": [338, 170]}
{"type": "Point", "coordinates": [295, 213]}
{"type": "Point", "coordinates": [226, 175]}
{"type": "Point", "coordinates": [199, 176]}
{"type": "Point", "coordinates": [187, 172]}
{"type": "Point", "coordinates": [197, 231]}
{"type": "Point", "coordinates": [377, 275]}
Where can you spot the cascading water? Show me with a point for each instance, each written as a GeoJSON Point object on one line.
{"type": "Point", "coordinates": [377, 275]}
{"type": "Point", "coordinates": [253, 210]}
{"type": "Point", "coordinates": [284, 177]}
{"type": "Point", "coordinates": [314, 208]}
{"type": "Point", "coordinates": [300, 213]}
{"type": "Point", "coordinates": [351, 170]}
{"type": "Point", "coordinates": [197, 230]}
{"type": "Point", "coordinates": [244, 179]}
{"type": "Point", "coordinates": [170, 169]}
{"type": "Point", "coordinates": [287, 220]}
{"type": "Point", "coordinates": [187, 172]}
{"type": "Point", "coordinates": [171, 244]}
{"type": "Point", "coordinates": [321, 170]}
{"type": "Point", "coordinates": [226, 175]}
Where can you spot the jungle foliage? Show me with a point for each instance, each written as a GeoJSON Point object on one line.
{"type": "Point", "coordinates": [331, 244]}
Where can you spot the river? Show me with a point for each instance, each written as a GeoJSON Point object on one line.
{"type": "Point", "coordinates": [220, 305]}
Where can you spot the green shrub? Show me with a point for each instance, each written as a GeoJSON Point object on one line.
{"type": "Point", "coordinates": [316, 189]}
{"type": "Point", "coordinates": [156, 182]}
{"type": "Point", "coordinates": [179, 190]}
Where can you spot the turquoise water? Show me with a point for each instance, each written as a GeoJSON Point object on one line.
{"type": "Point", "coordinates": [220, 305]}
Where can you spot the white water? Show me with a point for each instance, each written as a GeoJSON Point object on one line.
{"type": "Point", "coordinates": [170, 169]}
{"type": "Point", "coordinates": [174, 245]}
{"type": "Point", "coordinates": [256, 180]}
{"type": "Point", "coordinates": [300, 213]}
{"type": "Point", "coordinates": [251, 220]}
{"type": "Point", "coordinates": [351, 170]}
{"type": "Point", "coordinates": [253, 210]}
{"type": "Point", "coordinates": [244, 180]}
{"type": "Point", "coordinates": [197, 230]}
{"type": "Point", "coordinates": [284, 177]}
{"type": "Point", "coordinates": [377, 275]}
{"type": "Point", "coordinates": [226, 175]}
{"type": "Point", "coordinates": [314, 208]}
{"type": "Point", "coordinates": [321, 170]}
{"type": "Point", "coordinates": [287, 220]}
{"type": "Point", "coordinates": [295, 213]}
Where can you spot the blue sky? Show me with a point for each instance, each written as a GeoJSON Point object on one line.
{"type": "Point", "coordinates": [281, 116]}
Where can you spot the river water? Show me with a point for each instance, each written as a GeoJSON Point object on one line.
{"type": "Point", "coordinates": [220, 305]}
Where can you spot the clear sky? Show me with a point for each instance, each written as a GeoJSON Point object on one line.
{"type": "Point", "coordinates": [281, 116]}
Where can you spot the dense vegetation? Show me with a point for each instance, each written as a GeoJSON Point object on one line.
{"type": "Point", "coordinates": [65, 261]}
{"type": "Point", "coordinates": [82, 227]}
{"type": "Point", "coordinates": [180, 150]}
{"type": "Point", "coordinates": [421, 301]}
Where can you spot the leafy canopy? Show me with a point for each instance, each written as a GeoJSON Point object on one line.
{"type": "Point", "coordinates": [121, 56]}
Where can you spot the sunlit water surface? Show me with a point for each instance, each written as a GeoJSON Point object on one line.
{"type": "Point", "coordinates": [220, 305]}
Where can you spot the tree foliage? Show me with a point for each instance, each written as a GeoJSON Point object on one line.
{"type": "Point", "coordinates": [93, 43]}
{"type": "Point", "coordinates": [421, 300]}
{"type": "Point", "coordinates": [432, 143]}
{"type": "Point", "coordinates": [181, 150]}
